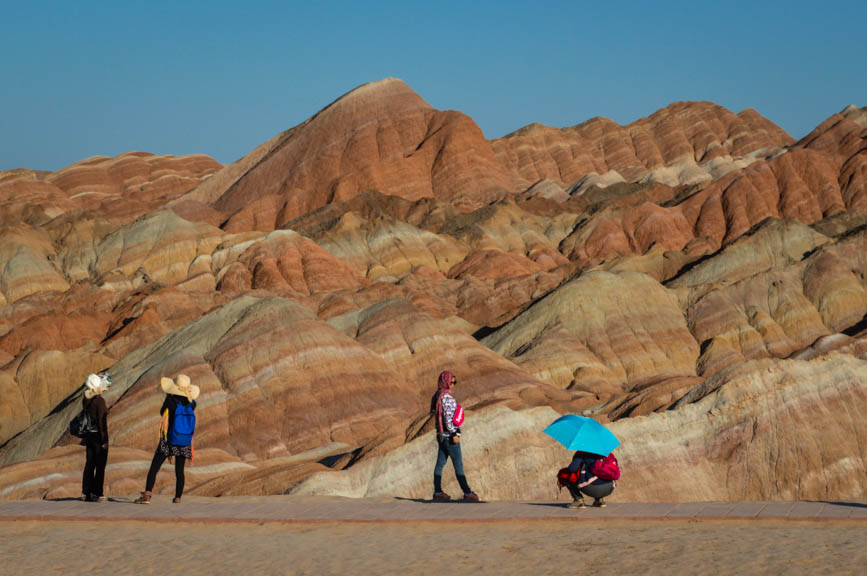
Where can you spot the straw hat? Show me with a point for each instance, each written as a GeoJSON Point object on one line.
{"type": "Point", "coordinates": [94, 386]}
{"type": "Point", "coordinates": [180, 386]}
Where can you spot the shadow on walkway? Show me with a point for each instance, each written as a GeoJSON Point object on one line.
{"type": "Point", "coordinates": [452, 501]}
{"type": "Point", "coordinates": [419, 500]}
{"type": "Point", "coordinates": [110, 499]}
{"type": "Point", "coordinates": [848, 504]}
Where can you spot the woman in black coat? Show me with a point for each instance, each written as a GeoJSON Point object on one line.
{"type": "Point", "coordinates": [96, 441]}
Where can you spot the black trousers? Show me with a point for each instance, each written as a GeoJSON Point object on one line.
{"type": "Point", "coordinates": [157, 462]}
{"type": "Point", "coordinates": [93, 479]}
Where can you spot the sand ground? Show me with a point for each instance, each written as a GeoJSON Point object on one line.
{"type": "Point", "coordinates": [644, 547]}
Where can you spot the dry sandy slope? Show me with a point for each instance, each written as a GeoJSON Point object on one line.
{"type": "Point", "coordinates": [511, 547]}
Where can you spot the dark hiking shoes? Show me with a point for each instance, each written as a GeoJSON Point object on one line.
{"type": "Point", "coordinates": [599, 503]}
{"type": "Point", "coordinates": [441, 497]}
{"type": "Point", "coordinates": [471, 497]}
{"type": "Point", "coordinates": [576, 503]}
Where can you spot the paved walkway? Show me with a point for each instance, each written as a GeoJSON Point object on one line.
{"type": "Point", "coordinates": [334, 509]}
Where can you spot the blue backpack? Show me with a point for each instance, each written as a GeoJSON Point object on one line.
{"type": "Point", "coordinates": [181, 433]}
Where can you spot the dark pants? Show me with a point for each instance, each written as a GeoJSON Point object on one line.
{"type": "Point", "coordinates": [157, 462]}
{"type": "Point", "coordinates": [93, 479]}
{"type": "Point", "coordinates": [445, 450]}
{"type": "Point", "coordinates": [596, 490]}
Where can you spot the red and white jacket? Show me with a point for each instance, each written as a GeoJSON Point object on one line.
{"type": "Point", "coordinates": [449, 407]}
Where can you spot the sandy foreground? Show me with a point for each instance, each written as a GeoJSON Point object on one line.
{"type": "Point", "coordinates": [504, 547]}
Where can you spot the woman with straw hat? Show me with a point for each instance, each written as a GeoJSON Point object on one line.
{"type": "Point", "coordinates": [176, 433]}
{"type": "Point", "coordinates": [96, 440]}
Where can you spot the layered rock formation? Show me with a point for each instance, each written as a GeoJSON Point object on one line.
{"type": "Point", "coordinates": [696, 279]}
{"type": "Point", "coordinates": [768, 430]}
{"type": "Point", "coordinates": [602, 332]}
{"type": "Point", "coordinates": [123, 187]}
{"type": "Point", "coordinates": [380, 136]}
{"type": "Point", "coordinates": [684, 143]}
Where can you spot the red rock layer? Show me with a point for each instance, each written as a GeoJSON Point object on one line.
{"type": "Point", "coordinates": [843, 135]}
{"type": "Point", "coordinates": [381, 136]}
{"type": "Point", "coordinates": [120, 188]}
{"type": "Point", "coordinates": [700, 131]}
{"type": "Point", "coordinates": [803, 184]}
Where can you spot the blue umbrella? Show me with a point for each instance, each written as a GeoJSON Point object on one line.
{"type": "Point", "coordinates": [580, 433]}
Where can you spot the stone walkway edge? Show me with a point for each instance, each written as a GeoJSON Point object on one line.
{"type": "Point", "coordinates": [322, 509]}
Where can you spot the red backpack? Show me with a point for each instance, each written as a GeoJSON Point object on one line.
{"type": "Point", "coordinates": [565, 477]}
{"type": "Point", "coordinates": [606, 468]}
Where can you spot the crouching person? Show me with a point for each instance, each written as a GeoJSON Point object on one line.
{"type": "Point", "coordinates": [589, 475]}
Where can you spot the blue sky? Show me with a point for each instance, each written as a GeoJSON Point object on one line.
{"type": "Point", "coordinates": [79, 79]}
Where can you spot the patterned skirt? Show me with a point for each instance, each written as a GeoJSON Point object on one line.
{"type": "Point", "coordinates": [170, 450]}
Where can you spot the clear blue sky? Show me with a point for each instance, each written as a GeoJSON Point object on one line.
{"type": "Point", "coordinates": [79, 79]}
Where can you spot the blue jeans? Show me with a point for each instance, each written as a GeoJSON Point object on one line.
{"type": "Point", "coordinates": [445, 450]}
